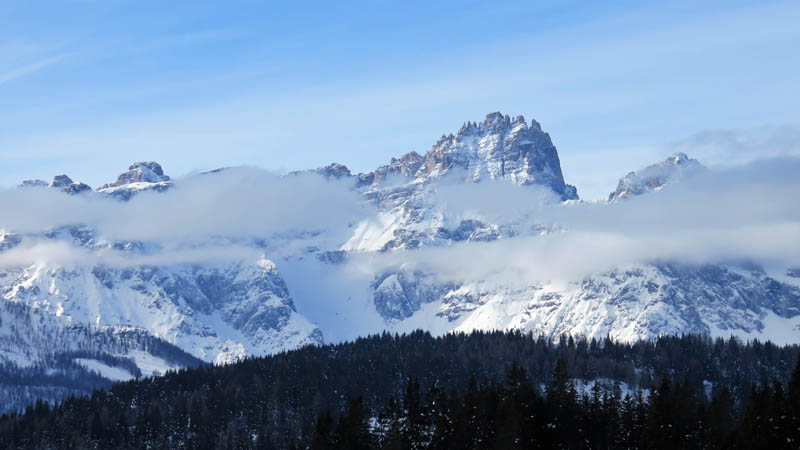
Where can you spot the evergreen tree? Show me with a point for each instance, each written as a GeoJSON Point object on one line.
{"type": "Point", "coordinates": [322, 438]}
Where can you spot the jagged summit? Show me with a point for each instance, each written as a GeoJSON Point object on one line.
{"type": "Point", "coordinates": [61, 182]}
{"type": "Point", "coordinates": [679, 158]}
{"type": "Point", "coordinates": [34, 183]}
{"type": "Point", "coordinates": [498, 148]}
{"type": "Point", "coordinates": [334, 170]}
{"type": "Point", "coordinates": [655, 176]}
{"type": "Point", "coordinates": [140, 172]}
{"type": "Point", "coordinates": [141, 176]}
{"type": "Point", "coordinates": [495, 122]}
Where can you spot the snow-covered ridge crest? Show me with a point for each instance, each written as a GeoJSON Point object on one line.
{"type": "Point", "coordinates": [656, 176]}
{"type": "Point", "coordinates": [61, 182]}
{"type": "Point", "coordinates": [141, 176]}
{"type": "Point", "coordinates": [498, 151]}
{"type": "Point", "coordinates": [498, 148]}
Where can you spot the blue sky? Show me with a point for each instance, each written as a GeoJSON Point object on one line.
{"type": "Point", "coordinates": [86, 87]}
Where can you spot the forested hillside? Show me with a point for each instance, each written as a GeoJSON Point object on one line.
{"type": "Point", "coordinates": [479, 390]}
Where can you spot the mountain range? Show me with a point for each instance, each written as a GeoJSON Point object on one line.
{"type": "Point", "coordinates": [124, 309]}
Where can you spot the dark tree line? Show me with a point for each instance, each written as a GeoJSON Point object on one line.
{"type": "Point", "coordinates": [57, 375]}
{"type": "Point", "coordinates": [518, 415]}
{"type": "Point", "coordinates": [478, 390]}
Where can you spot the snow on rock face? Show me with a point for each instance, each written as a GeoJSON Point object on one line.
{"type": "Point", "coordinates": [61, 182]}
{"type": "Point", "coordinates": [8, 240]}
{"type": "Point", "coordinates": [335, 171]}
{"type": "Point", "coordinates": [499, 148]}
{"type": "Point", "coordinates": [141, 172]}
{"type": "Point", "coordinates": [219, 313]}
{"type": "Point", "coordinates": [633, 303]}
{"type": "Point", "coordinates": [141, 176]}
{"type": "Point", "coordinates": [655, 176]}
{"type": "Point", "coordinates": [638, 302]}
{"type": "Point", "coordinates": [31, 335]}
{"type": "Point", "coordinates": [399, 295]}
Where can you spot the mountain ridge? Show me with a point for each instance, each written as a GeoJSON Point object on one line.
{"type": "Point", "coordinates": [224, 311]}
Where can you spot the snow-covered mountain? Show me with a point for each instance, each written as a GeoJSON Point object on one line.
{"type": "Point", "coordinates": [638, 301]}
{"type": "Point", "coordinates": [635, 302]}
{"type": "Point", "coordinates": [218, 311]}
{"type": "Point", "coordinates": [306, 286]}
{"type": "Point", "coordinates": [497, 150]}
{"type": "Point", "coordinates": [141, 176]}
{"type": "Point", "coordinates": [656, 176]}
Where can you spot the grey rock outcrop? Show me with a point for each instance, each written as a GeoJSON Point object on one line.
{"type": "Point", "coordinates": [141, 176]}
{"type": "Point", "coordinates": [655, 176]}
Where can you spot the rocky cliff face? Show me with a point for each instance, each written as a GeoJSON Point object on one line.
{"type": "Point", "coordinates": [141, 176]}
{"type": "Point", "coordinates": [498, 148]}
{"type": "Point", "coordinates": [61, 182]}
{"type": "Point", "coordinates": [218, 312]}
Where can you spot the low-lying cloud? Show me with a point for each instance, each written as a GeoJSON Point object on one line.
{"type": "Point", "coordinates": [237, 202]}
{"type": "Point", "coordinates": [62, 253]}
{"type": "Point", "coordinates": [744, 213]}
{"type": "Point", "coordinates": [202, 218]}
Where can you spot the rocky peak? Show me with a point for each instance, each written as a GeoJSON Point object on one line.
{"type": "Point", "coordinates": [679, 158]}
{"type": "Point", "coordinates": [498, 122]}
{"type": "Point", "coordinates": [494, 123]}
{"type": "Point", "coordinates": [498, 148]}
{"type": "Point", "coordinates": [77, 188]}
{"type": "Point", "coordinates": [655, 176]}
{"type": "Point", "coordinates": [334, 170]}
{"type": "Point", "coordinates": [140, 172]}
{"type": "Point", "coordinates": [141, 176]}
{"type": "Point", "coordinates": [61, 182]}
{"type": "Point", "coordinates": [34, 183]}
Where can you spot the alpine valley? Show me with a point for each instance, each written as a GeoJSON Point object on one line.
{"type": "Point", "coordinates": [102, 295]}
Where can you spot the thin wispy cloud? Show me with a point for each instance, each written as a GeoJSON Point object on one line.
{"type": "Point", "coordinates": [30, 68]}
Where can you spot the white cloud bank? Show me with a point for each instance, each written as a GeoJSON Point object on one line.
{"type": "Point", "coordinates": [748, 212]}
{"type": "Point", "coordinates": [201, 218]}
{"type": "Point", "coordinates": [237, 202]}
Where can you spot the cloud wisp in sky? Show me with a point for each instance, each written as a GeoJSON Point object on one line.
{"type": "Point", "coordinates": [29, 69]}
